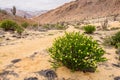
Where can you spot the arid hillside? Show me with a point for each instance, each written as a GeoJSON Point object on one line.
{"type": "Point", "coordinates": [80, 10]}
{"type": "Point", "coordinates": [5, 15]}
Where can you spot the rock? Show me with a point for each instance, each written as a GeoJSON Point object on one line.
{"type": "Point", "coordinates": [16, 60]}
{"type": "Point", "coordinates": [9, 38]}
{"type": "Point", "coordinates": [33, 55]}
{"type": "Point", "coordinates": [14, 35]}
{"type": "Point", "coordinates": [116, 65]}
{"type": "Point", "coordinates": [117, 78]}
{"type": "Point", "coordinates": [49, 74]}
{"type": "Point", "coordinates": [2, 44]}
{"type": "Point", "coordinates": [31, 78]}
{"type": "Point", "coordinates": [2, 32]}
{"type": "Point", "coordinates": [9, 66]}
{"type": "Point", "coordinates": [7, 73]}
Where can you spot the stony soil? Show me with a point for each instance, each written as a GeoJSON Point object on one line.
{"type": "Point", "coordinates": [26, 58]}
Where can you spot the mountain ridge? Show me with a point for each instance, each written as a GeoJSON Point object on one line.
{"type": "Point", "coordinates": [80, 10]}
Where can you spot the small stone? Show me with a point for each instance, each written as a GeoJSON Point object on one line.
{"type": "Point", "coordinates": [31, 78]}
{"type": "Point", "coordinates": [16, 60]}
{"type": "Point", "coordinates": [116, 65]}
{"type": "Point", "coordinates": [117, 78]}
{"type": "Point", "coordinates": [50, 74]}
{"type": "Point", "coordinates": [9, 38]}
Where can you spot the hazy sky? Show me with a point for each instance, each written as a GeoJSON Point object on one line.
{"type": "Point", "coordinates": [32, 4]}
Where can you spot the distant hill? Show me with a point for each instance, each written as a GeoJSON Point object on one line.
{"type": "Point", "coordinates": [21, 13]}
{"type": "Point", "coordinates": [28, 14]}
{"type": "Point", "coordinates": [36, 13]}
{"type": "Point", "coordinates": [5, 15]}
{"type": "Point", "coordinates": [80, 10]}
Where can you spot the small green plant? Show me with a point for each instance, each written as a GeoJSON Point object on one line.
{"type": "Point", "coordinates": [25, 24]}
{"type": "Point", "coordinates": [89, 29]}
{"type": "Point", "coordinates": [0, 24]}
{"type": "Point", "coordinates": [77, 52]}
{"type": "Point", "coordinates": [35, 25]}
{"type": "Point", "coordinates": [20, 30]}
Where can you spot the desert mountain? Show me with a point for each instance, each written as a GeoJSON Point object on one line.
{"type": "Point", "coordinates": [27, 14]}
{"type": "Point", "coordinates": [20, 13]}
{"type": "Point", "coordinates": [80, 10]}
{"type": "Point", "coordinates": [5, 15]}
{"type": "Point", "coordinates": [36, 13]}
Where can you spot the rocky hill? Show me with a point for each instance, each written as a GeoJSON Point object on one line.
{"type": "Point", "coordinates": [80, 10]}
{"type": "Point", "coordinates": [5, 15]}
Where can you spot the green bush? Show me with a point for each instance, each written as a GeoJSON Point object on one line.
{"type": "Point", "coordinates": [35, 25]}
{"type": "Point", "coordinates": [89, 29]}
{"type": "Point", "coordinates": [9, 25]}
{"type": "Point", "coordinates": [115, 39]}
{"type": "Point", "coordinates": [77, 52]}
{"type": "Point", "coordinates": [20, 30]}
{"type": "Point", "coordinates": [25, 24]}
{"type": "Point", "coordinates": [0, 24]}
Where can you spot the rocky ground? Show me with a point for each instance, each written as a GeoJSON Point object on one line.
{"type": "Point", "coordinates": [26, 58]}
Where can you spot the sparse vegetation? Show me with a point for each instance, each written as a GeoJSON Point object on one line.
{"type": "Point", "coordinates": [9, 25]}
{"type": "Point", "coordinates": [118, 48]}
{"type": "Point", "coordinates": [35, 25]}
{"type": "Point", "coordinates": [20, 30]}
{"type": "Point", "coordinates": [55, 26]}
{"type": "Point", "coordinates": [113, 40]}
{"type": "Point", "coordinates": [89, 29]}
{"type": "Point", "coordinates": [77, 52]}
{"type": "Point", "coordinates": [25, 24]}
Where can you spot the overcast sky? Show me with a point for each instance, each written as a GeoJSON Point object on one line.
{"type": "Point", "coordinates": [32, 4]}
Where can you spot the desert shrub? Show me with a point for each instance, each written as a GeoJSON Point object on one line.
{"type": "Point", "coordinates": [0, 24]}
{"type": "Point", "coordinates": [10, 25]}
{"type": "Point", "coordinates": [107, 41]}
{"type": "Point", "coordinates": [89, 29]}
{"type": "Point", "coordinates": [25, 24]}
{"type": "Point", "coordinates": [20, 30]}
{"type": "Point", "coordinates": [115, 39]}
{"type": "Point", "coordinates": [47, 26]}
{"type": "Point", "coordinates": [77, 52]}
{"type": "Point", "coordinates": [118, 48]}
{"type": "Point", "coordinates": [58, 26]}
{"type": "Point", "coordinates": [35, 25]}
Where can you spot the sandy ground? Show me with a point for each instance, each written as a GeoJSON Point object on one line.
{"type": "Point", "coordinates": [25, 48]}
